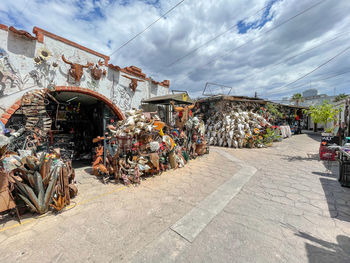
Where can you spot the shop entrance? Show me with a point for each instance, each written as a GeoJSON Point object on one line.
{"type": "Point", "coordinates": [67, 118]}
{"type": "Point", "coordinates": [77, 118]}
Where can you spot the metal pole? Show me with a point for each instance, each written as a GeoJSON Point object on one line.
{"type": "Point", "coordinates": [104, 140]}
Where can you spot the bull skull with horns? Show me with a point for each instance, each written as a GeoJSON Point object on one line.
{"type": "Point", "coordinates": [76, 70]}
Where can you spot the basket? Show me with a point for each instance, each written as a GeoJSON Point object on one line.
{"type": "Point", "coordinates": [326, 154]}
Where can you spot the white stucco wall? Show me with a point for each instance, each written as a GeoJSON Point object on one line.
{"type": "Point", "coordinates": [18, 63]}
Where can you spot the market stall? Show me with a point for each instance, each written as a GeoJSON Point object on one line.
{"type": "Point", "coordinates": [145, 144]}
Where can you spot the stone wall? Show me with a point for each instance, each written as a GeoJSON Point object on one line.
{"type": "Point", "coordinates": [20, 73]}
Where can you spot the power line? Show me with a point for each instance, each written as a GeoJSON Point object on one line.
{"type": "Point", "coordinates": [330, 73]}
{"type": "Point", "coordinates": [266, 32]}
{"type": "Point", "coordinates": [131, 39]}
{"type": "Point", "coordinates": [209, 41]}
{"type": "Point", "coordinates": [310, 72]}
{"type": "Point", "coordinates": [333, 76]}
{"type": "Point", "coordinates": [330, 77]}
{"type": "Point", "coordinates": [253, 75]}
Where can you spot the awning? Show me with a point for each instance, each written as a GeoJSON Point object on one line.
{"type": "Point", "coordinates": [181, 98]}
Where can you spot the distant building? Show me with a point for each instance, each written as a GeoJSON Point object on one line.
{"type": "Point", "coordinates": [311, 97]}
{"type": "Point", "coordinates": [310, 93]}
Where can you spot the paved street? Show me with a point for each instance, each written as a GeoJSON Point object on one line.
{"type": "Point", "coordinates": [278, 204]}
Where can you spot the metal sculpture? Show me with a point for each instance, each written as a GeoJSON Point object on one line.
{"type": "Point", "coordinates": [76, 70]}
{"type": "Point", "coordinates": [133, 84]}
{"type": "Point", "coordinates": [184, 113]}
{"type": "Point", "coordinates": [33, 107]}
{"type": "Point", "coordinates": [97, 72]}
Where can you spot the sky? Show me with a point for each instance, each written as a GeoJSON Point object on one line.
{"type": "Point", "coordinates": [252, 46]}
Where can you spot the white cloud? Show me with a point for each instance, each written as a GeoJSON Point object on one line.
{"type": "Point", "coordinates": [105, 25]}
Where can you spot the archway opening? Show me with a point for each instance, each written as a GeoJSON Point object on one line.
{"type": "Point", "coordinates": [77, 116]}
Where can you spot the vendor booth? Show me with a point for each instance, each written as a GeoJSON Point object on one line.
{"type": "Point", "coordinates": [163, 105]}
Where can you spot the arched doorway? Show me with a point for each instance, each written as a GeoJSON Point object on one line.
{"type": "Point", "coordinates": [94, 94]}
{"type": "Point", "coordinates": [77, 115]}
{"type": "Point", "coordinates": [11, 110]}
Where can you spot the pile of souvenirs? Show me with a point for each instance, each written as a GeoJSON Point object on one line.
{"type": "Point", "coordinates": [143, 145]}
{"type": "Point", "coordinates": [31, 179]}
{"type": "Point", "coordinates": [237, 128]}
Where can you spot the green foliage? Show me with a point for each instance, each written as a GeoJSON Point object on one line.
{"type": "Point", "coordinates": [297, 97]}
{"type": "Point", "coordinates": [323, 113]}
{"type": "Point", "coordinates": [273, 110]}
{"type": "Point", "coordinates": [340, 97]}
{"type": "Point", "coordinates": [271, 136]}
{"type": "Point", "coordinates": [329, 130]}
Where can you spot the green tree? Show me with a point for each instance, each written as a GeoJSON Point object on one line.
{"type": "Point", "coordinates": [340, 97]}
{"type": "Point", "coordinates": [323, 113]}
{"type": "Point", "coordinates": [297, 97]}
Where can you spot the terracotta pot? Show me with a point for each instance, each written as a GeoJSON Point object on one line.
{"type": "Point", "coordinates": [200, 149]}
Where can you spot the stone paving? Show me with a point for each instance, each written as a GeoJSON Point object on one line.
{"type": "Point", "coordinates": [291, 210]}
{"type": "Point", "coordinates": [111, 222]}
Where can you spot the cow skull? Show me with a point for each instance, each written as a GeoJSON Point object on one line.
{"type": "Point", "coordinates": [76, 70]}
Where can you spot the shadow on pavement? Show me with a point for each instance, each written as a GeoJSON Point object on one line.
{"type": "Point", "coordinates": [319, 251]}
{"type": "Point", "coordinates": [81, 164]}
{"type": "Point", "coordinates": [324, 174]}
{"type": "Point", "coordinates": [313, 135]}
{"type": "Point", "coordinates": [309, 157]}
{"type": "Point", "coordinates": [338, 197]}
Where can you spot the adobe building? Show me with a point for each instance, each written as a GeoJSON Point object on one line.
{"type": "Point", "coordinates": [83, 86]}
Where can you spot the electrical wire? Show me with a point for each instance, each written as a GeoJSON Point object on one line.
{"type": "Point", "coordinates": [144, 30]}
{"type": "Point", "coordinates": [316, 80]}
{"type": "Point", "coordinates": [209, 41]}
{"type": "Point", "coordinates": [281, 89]}
{"type": "Point", "coordinates": [259, 36]}
{"type": "Point", "coordinates": [253, 75]}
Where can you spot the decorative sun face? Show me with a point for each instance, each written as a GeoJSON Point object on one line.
{"type": "Point", "coordinates": [44, 53]}
{"type": "Point", "coordinates": [37, 60]}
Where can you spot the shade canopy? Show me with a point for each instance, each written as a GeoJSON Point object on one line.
{"type": "Point", "coordinates": [181, 98]}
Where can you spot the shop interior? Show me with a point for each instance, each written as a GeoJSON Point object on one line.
{"type": "Point", "coordinates": [76, 119]}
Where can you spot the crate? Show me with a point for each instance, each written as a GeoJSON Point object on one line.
{"type": "Point", "coordinates": [344, 173]}
{"type": "Point", "coordinates": [326, 154]}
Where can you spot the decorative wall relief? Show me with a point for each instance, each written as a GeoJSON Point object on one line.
{"type": "Point", "coordinates": [10, 80]}
{"type": "Point", "coordinates": [45, 72]}
{"type": "Point", "coordinates": [76, 71]}
{"type": "Point", "coordinates": [93, 84]}
{"type": "Point", "coordinates": [134, 82]}
{"type": "Point", "coordinates": [121, 96]}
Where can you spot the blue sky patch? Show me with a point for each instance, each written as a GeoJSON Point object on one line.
{"type": "Point", "coordinates": [244, 26]}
